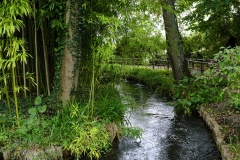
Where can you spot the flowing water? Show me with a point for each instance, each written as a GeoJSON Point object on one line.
{"type": "Point", "coordinates": [165, 135]}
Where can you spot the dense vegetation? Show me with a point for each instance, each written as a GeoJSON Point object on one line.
{"type": "Point", "coordinates": [53, 57]}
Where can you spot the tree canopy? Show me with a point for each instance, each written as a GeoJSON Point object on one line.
{"type": "Point", "coordinates": [217, 20]}
{"type": "Point", "coordinates": [101, 30]}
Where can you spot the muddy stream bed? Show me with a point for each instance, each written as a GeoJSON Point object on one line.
{"type": "Point", "coordinates": [165, 136]}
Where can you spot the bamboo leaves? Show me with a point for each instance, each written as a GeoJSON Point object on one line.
{"type": "Point", "coordinates": [8, 26]}
{"type": "Point", "coordinates": [12, 48]}
{"type": "Point", "coordinates": [10, 10]}
{"type": "Point", "coordinates": [15, 8]}
{"type": "Point", "coordinates": [15, 52]}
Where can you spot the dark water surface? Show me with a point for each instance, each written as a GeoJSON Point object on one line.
{"type": "Point", "coordinates": [165, 135]}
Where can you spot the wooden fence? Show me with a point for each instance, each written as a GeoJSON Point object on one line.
{"type": "Point", "coordinates": [199, 65]}
{"type": "Point", "coordinates": [195, 65]}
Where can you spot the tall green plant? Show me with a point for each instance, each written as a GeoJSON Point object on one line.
{"type": "Point", "coordinates": [4, 76]}
{"type": "Point", "coordinates": [227, 69]}
{"type": "Point", "coordinates": [12, 46]}
{"type": "Point", "coordinates": [221, 80]}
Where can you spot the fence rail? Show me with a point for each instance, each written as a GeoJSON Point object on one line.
{"type": "Point", "coordinates": [200, 64]}
{"type": "Point", "coordinates": [195, 65]}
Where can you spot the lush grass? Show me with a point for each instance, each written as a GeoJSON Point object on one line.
{"type": "Point", "coordinates": [159, 81]}
{"type": "Point", "coordinates": [108, 104]}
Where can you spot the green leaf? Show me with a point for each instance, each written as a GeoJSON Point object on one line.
{"type": "Point", "coordinates": [220, 79]}
{"type": "Point", "coordinates": [42, 109]}
{"type": "Point", "coordinates": [38, 101]}
{"type": "Point", "coordinates": [32, 111]}
{"type": "Point", "coordinates": [189, 103]}
{"type": "Point", "coordinates": [23, 129]}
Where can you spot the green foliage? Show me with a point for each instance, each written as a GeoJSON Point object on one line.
{"type": "Point", "coordinates": [140, 44]}
{"type": "Point", "coordinates": [12, 49]}
{"type": "Point", "coordinates": [77, 132]}
{"type": "Point", "coordinates": [216, 12]}
{"type": "Point", "coordinates": [90, 137]}
{"type": "Point", "coordinates": [218, 82]}
{"type": "Point", "coordinates": [10, 11]}
{"type": "Point", "coordinates": [33, 132]}
{"type": "Point", "coordinates": [217, 20]}
{"type": "Point", "coordinates": [190, 94]}
{"type": "Point", "coordinates": [235, 147]}
{"type": "Point", "coordinates": [160, 81]}
{"type": "Point", "coordinates": [84, 135]}
{"type": "Point", "coordinates": [108, 104]}
{"type": "Point", "coordinates": [228, 70]}
{"type": "Point", "coordinates": [140, 37]}
{"type": "Point", "coordinates": [54, 13]}
{"type": "Point", "coordinates": [35, 125]}
{"type": "Point", "coordinates": [96, 27]}
{"type": "Point", "coordinates": [196, 50]}
{"type": "Point", "coordinates": [71, 127]}
{"type": "Point", "coordinates": [157, 80]}
{"type": "Point", "coordinates": [111, 73]}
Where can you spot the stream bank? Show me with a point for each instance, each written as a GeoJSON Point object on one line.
{"type": "Point", "coordinates": [165, 135]}
{"type": "Point", "coordinates": [219, 136]}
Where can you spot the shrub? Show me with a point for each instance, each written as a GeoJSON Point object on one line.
{"type": "Point", "coordinates": [218, 82]}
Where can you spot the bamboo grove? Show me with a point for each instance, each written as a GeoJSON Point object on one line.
{"type": "Point", "coordinates": [37, 38]}
{"type": "Point", "coordinates": [33, 60]}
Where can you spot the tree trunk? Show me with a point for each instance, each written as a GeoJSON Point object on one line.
{"type": "Point", "coordinates": [69, 71]}
{"type": "Point", "coordinates": [173, 38]}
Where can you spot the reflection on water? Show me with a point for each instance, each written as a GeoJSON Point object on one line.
{"type": "Point", "coordinates": [165, 136]}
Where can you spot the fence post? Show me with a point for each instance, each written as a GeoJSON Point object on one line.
{"type": "Point", "coordinates": [201, 62]}
{"type": "Point", "coordinates": [167, 63]}
{"type": "Point", "coordinates": [153, 63]}
{"type": "Point", "coordinates": [192, 64]}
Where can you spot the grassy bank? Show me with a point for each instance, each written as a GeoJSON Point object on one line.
{"type": "Point", "coordinates": [79, 129]}
{"type": "Point", "coordinates": [159, 81]}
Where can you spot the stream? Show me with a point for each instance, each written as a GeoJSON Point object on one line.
{"type": "Point", "coordinates": [165, 136]}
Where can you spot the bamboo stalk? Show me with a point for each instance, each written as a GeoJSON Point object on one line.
{"type": "Point", "coordinates": [24, 67]}
{"type": "Point", "coordinates": [15, 89]}
{"type": "Point", "coordinates": [30, 66]}
{"type": "Point", "coordinates": [5, 83]}
{"type": "Point", "coordinates": [45, 55]}
{"type": "Point", "coordinates": [36, 54]}
{"type": "Point", "coordinates": [45, 60]}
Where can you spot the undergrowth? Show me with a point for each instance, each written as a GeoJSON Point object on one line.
{"type": "Point", "coordinates": [71, 127]}
{"type": "Point", "coordinates": [217, 83]}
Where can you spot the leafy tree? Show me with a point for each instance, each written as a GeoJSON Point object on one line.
{"type": "Point", "coordinates": [218, 20]}
{"type": "Point", "coordinates": [193, 49]}
{"type": "Point", "coordinates": [140, 44]}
